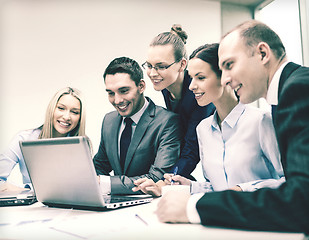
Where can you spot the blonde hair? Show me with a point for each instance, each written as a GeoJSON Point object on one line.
{"type": "Point", "coordinates": [47, 127]}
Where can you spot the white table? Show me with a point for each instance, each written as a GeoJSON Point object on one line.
{"type": "Point", "coordinates": [40, 222]}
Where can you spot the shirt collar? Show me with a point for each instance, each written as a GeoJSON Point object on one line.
{"type": "Point", "coordinates": [272, 93]}
{"type": "Point", "coordinates": [137, 116]}
{"type": "Point", "coordinates": [232, 118]}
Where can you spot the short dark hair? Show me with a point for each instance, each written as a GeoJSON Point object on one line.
{"type": "Point", "coordinates": [253, 32]}
{"type": "Point", "coordinates": [208, 53]}
{"type": "Point", "coordinates": [125, 65]}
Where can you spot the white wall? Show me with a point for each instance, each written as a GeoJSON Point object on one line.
{"type": "Point", "coordinates": [283, 17]}
{"type": "Point", "coordinates": [304, 19]}
{"type": "Point", "coordinates": [46, 45]}
{"type": "Point", "coordinates": [232, 15]}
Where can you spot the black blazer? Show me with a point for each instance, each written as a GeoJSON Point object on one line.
{"type": "Point", "coordinates": [190, 114]}
{"type": "Point", "coordinates": [285, 208]}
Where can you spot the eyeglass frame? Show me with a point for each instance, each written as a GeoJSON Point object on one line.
{"type": "Point", "coordinates": [156, 67]}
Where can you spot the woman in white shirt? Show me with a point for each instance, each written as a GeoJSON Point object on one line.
{"type": "Point", "coordinates": [238, 146]}
{"type": "Point", "coordinates": [65, 116]}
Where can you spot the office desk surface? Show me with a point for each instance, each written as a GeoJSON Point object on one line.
{"type": "Point", "coordinates": [40, 222]}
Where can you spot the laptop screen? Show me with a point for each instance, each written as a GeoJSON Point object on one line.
{"type": "Point", "coordinates": [62, 173]}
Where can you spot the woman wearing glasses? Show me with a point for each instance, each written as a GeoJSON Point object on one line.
{"type": "Point", "coordinates": [166, 67]}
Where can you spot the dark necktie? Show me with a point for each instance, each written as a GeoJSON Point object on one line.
{"type": "Point", "coordinates": [273, 112]}
{"type": "Point", "coordinates": [125, 141]}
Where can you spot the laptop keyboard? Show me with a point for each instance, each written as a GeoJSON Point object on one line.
{"type": "Point", "coordinates": [17, 202]}
{"type": "Point", "coordinates": [117, 199]}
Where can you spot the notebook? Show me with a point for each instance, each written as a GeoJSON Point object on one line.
{"type": "Point", "coordinates": [63, 175]}
{"type": "Point", "coordinates": [17, 198]}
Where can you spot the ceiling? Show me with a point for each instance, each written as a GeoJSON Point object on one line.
{"type": "Point", "coordinates": [246, 3]}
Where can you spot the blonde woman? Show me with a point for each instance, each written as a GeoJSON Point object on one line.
{"type": "Point", "coordinates": [65, 117]}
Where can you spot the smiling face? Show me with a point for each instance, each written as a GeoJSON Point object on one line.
{"type": "Point", "coordinates": [123, 93]}
{"type": "Point", "coordinates": [241, 69]}
{"type": "Point", "coordinates": [162, 56]}
{"type": "Point", "coordinates": [66, 115]}
{"type": "Point", "coordinates": [205, 84]}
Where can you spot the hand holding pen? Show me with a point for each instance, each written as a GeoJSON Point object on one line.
{"type": "Point", "coordinates": [174, 174]}
{"type": "Point", "coordinates": [174, 179]}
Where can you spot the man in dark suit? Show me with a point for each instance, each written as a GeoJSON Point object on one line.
{"type": "Point", "coordinates": [253, 62]}
{"type": "Point", "coordinates": [138, 140]}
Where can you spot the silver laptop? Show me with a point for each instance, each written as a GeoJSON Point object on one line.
{"type": "Point", "coordinates": [17, 198]}
{"type": "Point", "coordinates": [63, 175]}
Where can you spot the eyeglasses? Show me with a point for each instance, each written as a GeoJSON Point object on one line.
{"type": "Point", "coordinates": [148, 66]}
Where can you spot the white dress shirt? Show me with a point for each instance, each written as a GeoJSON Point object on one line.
{"type": "Point", "coordinates": [272, 92]}
{"type": "Point", "coordinates": [13, 155]}
{"type": "Point", "coordinates": [243, 152]}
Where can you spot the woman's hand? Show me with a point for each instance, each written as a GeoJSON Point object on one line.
{"type": "Point", "coordinates": [177, 179]}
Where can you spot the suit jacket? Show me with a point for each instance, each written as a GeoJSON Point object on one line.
{"type": "Point", "coordinates": [190, 116]}
{"type": "Point", "coordinates": [285, 208]}
{"type": "Point", "coordinates": [154, 148]}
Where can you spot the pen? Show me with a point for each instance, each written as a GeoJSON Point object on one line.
{"type": "Point", "coordinates": [174, 173]}
{"type": "Point", "coordinates": [139, 217]}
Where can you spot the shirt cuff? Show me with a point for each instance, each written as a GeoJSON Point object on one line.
{"type": "Point", "coordinates": [194, 187]}
{"type": "Point", "coordinates": [105, 184]}
{"type": "Point", "coordinates": [200, 187]}
{"type": "Point", "coordinates": [245, 187]}
{"type": "Point", "coordinates": [192, 213]}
